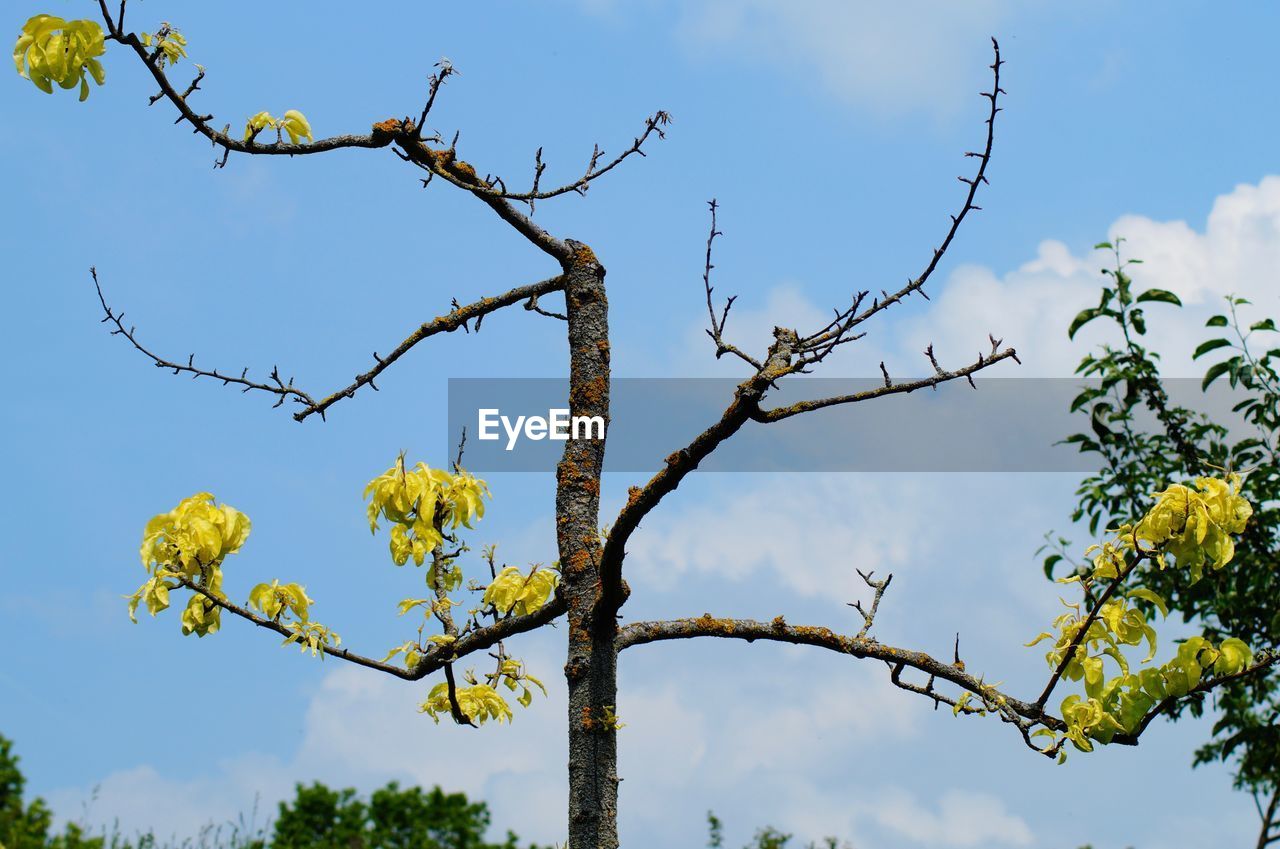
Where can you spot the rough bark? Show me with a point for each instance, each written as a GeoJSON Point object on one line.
{"type": "Point", "coordinates": [591, 666]}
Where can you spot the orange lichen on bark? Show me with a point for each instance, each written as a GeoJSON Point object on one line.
{"type": "Point", "coordinates": [583, 255]}
{"type": "Point", "coordinates": [391, 125]}
{"type": "Point", "coordinates": [465, 171]}
{"type": "Point", "coordinates": [579, 562]}
{"type": "Point", "coordinates": [812, 632]}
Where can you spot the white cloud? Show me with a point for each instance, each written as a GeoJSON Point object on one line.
{"type": "Point", "coordinates": [1237, 252]}
{"type": "Point", "coordinates": [807, 534]}
{"type": "Point", "coordinates": [890, 57]}
{"type": "Point", "coordinates": [962, 819]}
{"type": "Point", "coordinates": [1029, 307]}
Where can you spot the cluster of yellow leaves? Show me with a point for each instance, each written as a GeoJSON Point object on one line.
{"type": "Point", "coordinates": [1120, 705]}
{"type": "Point", "coordinates": [294, 123]}
{"type": "Point", "coordinates": [512, 675]}
{"type": "Point", "coordinates": [479, 703]}
{"type": "Point", "coordinates": [1196, 525]}
{"type": "Point", "coordinates": [514, 592]}
{"type": "Point", "coordinates": [187, 546]}
{"type": "Point", "coordinates": [171, 43]}
{"type": "Point", "coordinates": [290, 605]}
{"type": "Point", "coordinates": [419, 503]}
{"type": "Point", "coordinates": [51, 50]}
{"type": "Point", "coordinates": [313, 637]}
{"type": "Point", "coordinates": [275, 600]}
{"type": "Point", "coordinates": [1193, 525]}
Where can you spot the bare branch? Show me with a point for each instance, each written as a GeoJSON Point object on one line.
{"type": "Point", "coordinates": [277, 386]}
{"type": "Point", "coordinates": [889, 388]}
{"type": "Point", "coordinates": [434, 83]}
{"type": "Point", "coordinates": [868, 616]}
{"type": "Point", "coordinates": [851, 318]}
{"type": "Point", "coordinates": [743, 408]}
{"type": "Point", "coordinates": [532, 306]}
{"type": "Point", "coordinates": [285, 390]}
{"type": "Point", "coordinates": [716, 330]}
{"type": "Point", "coordinates": [652, 125]}
{"type": "Point", "coordinates": [456, 318]}
{"type": "Point", "coordinates": [1023, 715]}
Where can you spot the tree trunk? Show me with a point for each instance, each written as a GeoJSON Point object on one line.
{"type": "Point", "coordinates": [591, 667]}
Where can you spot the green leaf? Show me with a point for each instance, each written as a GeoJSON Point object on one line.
{"type": "Point", "coordinates": [1104, 246]}
{"type": "Point", "coordinates": [1210, 345]}
{"type": "Point", "coordinates": [1265, 324]}
{"type": "Point", "coordinates": [1081, 320]}
{"type": "Point", "coordinates": [1162, 295]}
{"type": "Point", "coordinates": [1216, 321]}
{"type": "Point", "coordinates": [1215, 371]}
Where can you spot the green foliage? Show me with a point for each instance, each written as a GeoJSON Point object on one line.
{"type": "Point", "coordinates": [27, 826]}
{"type": "Point", "coordinates": [1142, 440]}
{"type": "Point", "coordinates": [715, 831]}
{"type": "Point", "coordinates": [392, 818]}
{"type": "Point", "coordinates": [21, 827]}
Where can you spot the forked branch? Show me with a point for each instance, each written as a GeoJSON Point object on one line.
{"type": "Point", "coordinates": [285, 390]}
{"type": "Point", "coordinates": [716, 330]}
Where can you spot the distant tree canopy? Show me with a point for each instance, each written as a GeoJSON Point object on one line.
{"type": "Point", "coordinates": [21, 827]}
{"type": "Point", "coordinates": [392, 818]}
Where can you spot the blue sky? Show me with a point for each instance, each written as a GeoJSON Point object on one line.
{"type": "Point", "coordinates": [831, 134]}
